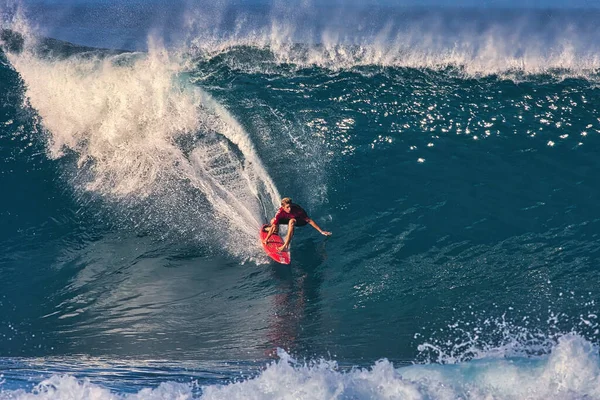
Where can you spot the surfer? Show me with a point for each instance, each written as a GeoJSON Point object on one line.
{"type": "Point", "coordinates": [292, 215]}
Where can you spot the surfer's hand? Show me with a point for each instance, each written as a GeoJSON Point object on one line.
{"type": "Point", "coordinates": [325, 233]}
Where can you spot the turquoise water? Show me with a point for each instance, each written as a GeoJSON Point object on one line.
{"type": "Point", "coordinates": [456, 171]}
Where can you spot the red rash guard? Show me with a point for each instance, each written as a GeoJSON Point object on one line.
{"type": "Point", "coordinates": [296, 212]}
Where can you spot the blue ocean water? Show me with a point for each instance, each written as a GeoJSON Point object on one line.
{"type": "Point", "coordinates": [453, 153]}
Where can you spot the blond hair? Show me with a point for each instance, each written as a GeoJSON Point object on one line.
{"type": "Point", "coordinates": [286, 200]}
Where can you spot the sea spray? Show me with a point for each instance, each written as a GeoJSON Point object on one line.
{"type": "Point", "coordinates": [125, 118]}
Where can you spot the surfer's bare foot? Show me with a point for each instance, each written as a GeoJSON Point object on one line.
{"type": "Point", "coordinates": [282, 248]}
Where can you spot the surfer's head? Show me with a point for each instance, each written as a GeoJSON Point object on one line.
{"type": "Point", "coordinates": [286, 203]}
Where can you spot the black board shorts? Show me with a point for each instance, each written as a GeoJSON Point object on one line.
{"type": "Point", "coordinates": [299, 222]}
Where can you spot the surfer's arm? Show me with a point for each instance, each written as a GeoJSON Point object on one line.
{"type": "Point", "coordinates": [314, 225]}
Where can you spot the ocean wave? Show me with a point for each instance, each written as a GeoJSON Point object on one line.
{"type": "Point", "coordinates": [462, 61]}
{"type": "Point", "coordinates": [570, 371]}
{"type": "Point", "coordinates": [474, 42]}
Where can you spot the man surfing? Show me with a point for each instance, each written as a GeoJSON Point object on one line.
{"type": "Point", "coordinates": [292, 215]}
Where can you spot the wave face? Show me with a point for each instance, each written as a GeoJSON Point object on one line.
{"type": "Point", "coordinates": [456, 170]}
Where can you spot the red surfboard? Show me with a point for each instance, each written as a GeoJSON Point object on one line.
{"type": "Point", "coordinates": [282, 257]}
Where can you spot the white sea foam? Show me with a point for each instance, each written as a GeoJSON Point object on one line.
{"type": "Point", "coordinates": [476, 43]}
{"type": "Point", "coordinates": [66, 387]}
{"type": "Point", "coordinates": [571, 371]}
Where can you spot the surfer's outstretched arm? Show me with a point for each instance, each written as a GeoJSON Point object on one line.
{"type": "Point", "coordinates": [314, 225]}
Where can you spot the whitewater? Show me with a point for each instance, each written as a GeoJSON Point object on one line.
{"type": "Point", "coordinates": [452, 152]}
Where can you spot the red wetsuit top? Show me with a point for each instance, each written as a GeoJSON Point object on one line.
{"type": "Point", "coordinates": [296, 212]}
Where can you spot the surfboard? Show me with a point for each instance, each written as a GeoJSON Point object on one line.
{"type": "Point", "coordinates": [282, 257]}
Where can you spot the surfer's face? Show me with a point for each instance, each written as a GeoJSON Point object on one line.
{"type": "Point", "coordinates": [287, 208]}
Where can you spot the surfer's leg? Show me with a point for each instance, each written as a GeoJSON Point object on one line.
{"type": "Point", "coordinates": [275, 227]}
{"type": "Point", "coordinates": [288, 237]}
{"type": "Point", "coordinates": [272, 229]}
